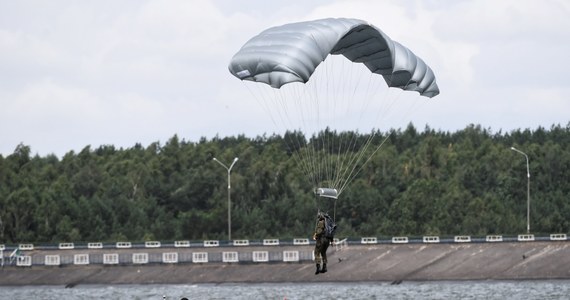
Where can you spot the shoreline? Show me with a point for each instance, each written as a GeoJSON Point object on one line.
{"type": "Point", "coordinates": [285, 283]}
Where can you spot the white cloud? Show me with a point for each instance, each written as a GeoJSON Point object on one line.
{"type": "Point", "coordinates": [119, 72]}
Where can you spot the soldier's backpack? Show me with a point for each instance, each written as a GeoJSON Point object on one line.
{"type": "Point", "coordinates": [330, 227]}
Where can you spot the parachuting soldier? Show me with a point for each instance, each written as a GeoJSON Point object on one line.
{"type": "Point", "coordinates": [291, 53]}
{"type": "Point", "coordinates": [321, 245]}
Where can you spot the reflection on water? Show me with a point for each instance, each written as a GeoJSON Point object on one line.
{"type": "Point", "coordinates": [553, 289]}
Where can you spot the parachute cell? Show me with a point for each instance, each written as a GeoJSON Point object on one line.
{"type": "Point", "coordinates": [292, 52]}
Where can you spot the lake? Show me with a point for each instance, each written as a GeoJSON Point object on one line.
{"type": "Point", "coordinates": [552, 289]}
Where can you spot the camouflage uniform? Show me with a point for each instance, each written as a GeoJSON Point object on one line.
{"type": "Point", "coordinates": [321, 246]}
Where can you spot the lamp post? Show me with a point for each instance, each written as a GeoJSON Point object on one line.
{"type": "Point", "coordinates": [229, 199]}
{"type": "Point", "coordinates": [527, 189]}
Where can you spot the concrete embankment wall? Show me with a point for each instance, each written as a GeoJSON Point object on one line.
{"type": "Point", "coordinates": [381, 262]}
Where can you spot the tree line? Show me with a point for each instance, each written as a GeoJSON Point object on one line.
{"type": "Point", "coordinates": [421, 182]}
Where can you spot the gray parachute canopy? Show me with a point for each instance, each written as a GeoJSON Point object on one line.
{"type": "Point", "coordinates": [291, 52]}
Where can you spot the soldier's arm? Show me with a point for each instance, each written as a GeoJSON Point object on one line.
{"type": "Point", "coordinates": [320, 228]}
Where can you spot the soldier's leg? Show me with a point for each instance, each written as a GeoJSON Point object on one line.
{"type": "Point", "coordinates": [325, 246]}
{"type": "Point", "coordinates": [318, 256]}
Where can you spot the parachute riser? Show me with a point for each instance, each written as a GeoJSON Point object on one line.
{"type": "Point", "coordinates": [330, 193]}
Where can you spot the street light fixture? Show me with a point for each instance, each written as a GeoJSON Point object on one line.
{"type": "Point", "coordinates": [229, 200]}
{"type": "Point", "coordinates": [527, 189]}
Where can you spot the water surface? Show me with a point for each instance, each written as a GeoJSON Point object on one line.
{"type": "Point", "coordinates": [552, 289]}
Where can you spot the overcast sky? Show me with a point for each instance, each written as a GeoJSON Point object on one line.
{"type": "Point", "coordinates": [77, 73]}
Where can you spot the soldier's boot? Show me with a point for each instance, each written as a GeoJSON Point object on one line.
{"type": "Point", "coordinates": [318, 269]}
{"type": "Point", "coordinates": [324, 269]}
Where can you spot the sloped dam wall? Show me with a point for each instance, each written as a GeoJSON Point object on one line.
{"type": "Point", "coordinates": [377, 262]}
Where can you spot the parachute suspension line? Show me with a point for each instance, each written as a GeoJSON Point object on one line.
{"type": "Point", "coordinates": [352, 144]}
{"type": "Point", "coordinates": [264, 95]}
{"type": "Point", "coordinates": [269, 95]}
{"type": "Point", "coordinates": [381, 115]}
{"type": "Point", "coordinates": [409, 111]}
{"type": "Point", "coordinates": [339, 141]}
{"type": "Point", "coordinates": [342, 150]}
{"type": "Point", "coordinates": [356, 171]}
{"type": "Point", "coordinates": [301, 154]}
{"type": "Point", "coordinates": [322, 138]}
{"type": "Point", "coordinates": [329, 134]}
{"type": "Point", "coordinates": [324, 134]}
{"type": "Point", "coordinates": [412, 108]}
{"type": "Point", "coordinates": [356, 149]}
{"type": "Point", "coordinates": [318, 139]}
{"type": "Point", "coordinates": [311, 104]}
{"type": "Point", "coordinates": [303, 99]}
{"type": "Point", "coordinates": [257, 99]}
{"type": "Point", "coordinates": [334, 91]}
{"type": "Point", "coordinates": [343, 141]}
{"type": "Point", "coordinates": [313, 147]}
{"type": "Point", "coordinates": [360, 150]}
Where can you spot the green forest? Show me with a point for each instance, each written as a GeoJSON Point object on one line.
{"type": "Point", "coordinates": [421, 182]}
